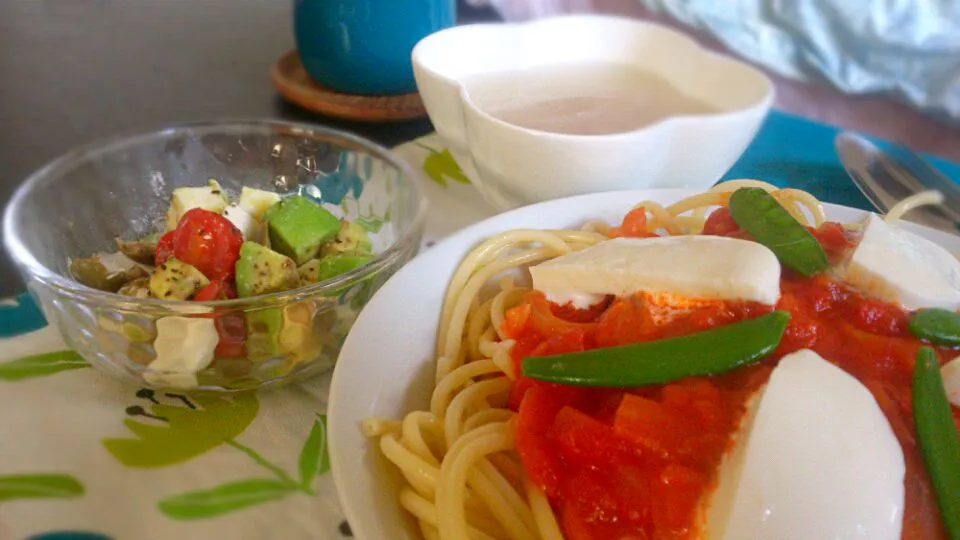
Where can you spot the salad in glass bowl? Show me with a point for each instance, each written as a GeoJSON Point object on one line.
{"type": "Point", "coordinates": [250, 278]}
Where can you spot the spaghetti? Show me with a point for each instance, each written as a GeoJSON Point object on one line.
{"type": "Point", "coordinates": [463, 479]}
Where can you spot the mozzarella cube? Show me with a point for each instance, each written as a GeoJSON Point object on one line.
{"type": "Point", "coordinates": [256, 201]}
{"type": "Point", "coordinates": [901, 267]}
{"type": "Point", "coordinates": [242, 220]}
{"type": "Point", "coordinates": [815, 458]}
{"type": "Point", "coordinates": [210, 197]}
{"type": "Point", "coordinates": [116, 262]}
{"type": "Point", "coordinates": [701, 267]}
{"type": "Point", "coordinates": [184, 346]}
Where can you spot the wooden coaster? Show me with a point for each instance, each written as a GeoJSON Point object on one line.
{"type": "Point", "coordinates": [296, 86]}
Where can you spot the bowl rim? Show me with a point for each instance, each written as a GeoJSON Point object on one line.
{"type": "Point", "coordinates": [75, 290]}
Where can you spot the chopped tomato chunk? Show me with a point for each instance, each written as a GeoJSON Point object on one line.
{"type": "Point", "coordinates": [627, 320]}
{"type": "Point", "coordinates": [536, 415]}
{"type": "Point", "coordinates": [634, 225]}
{"type": "Point", "coordinates": [836, 240]}
{"type": "Point", "coordinates": [583, 440]}
{"type": "Point", "coordinates": [515, 320]}
{"type": "Point", "coordinates": [720, 223]}
{"type": "Point", "coordinates": [651, 426]}
{"type": "Point", "coordinates": [676, 497]}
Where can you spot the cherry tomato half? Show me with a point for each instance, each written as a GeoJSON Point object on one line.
{"type": "Point", "coordinates": [217, 289]}
{"type": "Point", "coordinates": [233, 336]}
{"type": "Point", "coordinates": [209, 242]}
{"type": "Point", "coordinates": [230, 326]}
{"type": "Point", "coordinates": [164, 249]}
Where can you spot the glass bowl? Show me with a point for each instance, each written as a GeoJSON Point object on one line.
{"type": "Point", "coordinates": [78, 204]}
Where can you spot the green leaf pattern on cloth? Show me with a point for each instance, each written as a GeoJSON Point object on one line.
{"type": "Point", "coordinates": [440, 165]}
{"type": "Point", "coordinates": [314, 459]}
{"type": "Point", "coordinates": [233, 496]}
{"type": "Point", "coordinates": [225, 498]}
{"type": "Point", "coordinates": [40, 365]}
{"type": "Point", "coordinates": [172, 431]}
{"type": "Point", "coordinates": [39, 486]}
{"type": "Point", "coordinates": [198, 425]}
{"type": "Point", "coordinates": [370, 224]}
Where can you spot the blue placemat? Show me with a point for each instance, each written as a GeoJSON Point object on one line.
{"type": "Point", "coordinates": [796, 152]}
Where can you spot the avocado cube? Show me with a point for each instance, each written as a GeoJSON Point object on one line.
{"type": "Point", "coordinates": [261, 270]}
{"type": "Point", "coordinates": [176, 280]}
{"type": "Point", "coordinates": [281, 331]}
{"type": "Point", "coordinates": [263, 333]}
{"type": "Point", "coordinates": [328, 267]}
{"type": "Point", "coordinates": [351, 238]}
{"type": "Point", "coordinates": [299, 227]}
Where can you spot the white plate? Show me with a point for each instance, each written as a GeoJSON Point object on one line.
{"type": "Point", "coordinates": [386, 366]}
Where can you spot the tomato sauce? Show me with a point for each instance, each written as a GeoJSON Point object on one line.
{"type": "Point", "coordinates": [637, 463]}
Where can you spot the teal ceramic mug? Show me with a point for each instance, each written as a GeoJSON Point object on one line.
{"type": "Point", "coordinates": [364, 46]}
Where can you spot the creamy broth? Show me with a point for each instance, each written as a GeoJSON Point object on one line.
{"type": "Point", "coordinates": [582, 98]}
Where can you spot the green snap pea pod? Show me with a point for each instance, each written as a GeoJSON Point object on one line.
{"type": "Point", "coordinates": [653, 362]}
{"type": "Point", "coordinates": [937, 434]}
{"type": "Point", "coordinates": [758, 213]}
{"type": "Point", "coordinates": [936, 325]}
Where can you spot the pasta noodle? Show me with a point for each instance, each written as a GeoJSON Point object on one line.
{"type": "Point", "coordinates": [912, 202]}
{"type": "Point", "coordinates": [464, 481]}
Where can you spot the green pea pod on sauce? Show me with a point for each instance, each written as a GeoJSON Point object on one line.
{"type": "Point", "coordinates": [769, 223]}
{"type": "Point", "coordinates": [936, 325]}
{"type": "Point", "coordinates": [938, 438]}
{"type": "Point", "coordinates": [655, 362]}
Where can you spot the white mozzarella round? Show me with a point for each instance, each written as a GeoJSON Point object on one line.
{"type": "Point", "coordinates": [184, 346]}
{"type": "Point", "coordinates": [815, 458]}
{"type": "Point", "coordinates": [951, 380]}
{"type": "Point", "coordinates": [702, 267]}
{"type": "Point", "coordinates": [899, 266]}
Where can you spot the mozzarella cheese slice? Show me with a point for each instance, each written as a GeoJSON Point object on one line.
{"type": "Point", "coordinates": [702, 267]}
{"type": "Point", "coordinates": [815, 458]}
{"type": "Point", "coordinates": [899, 266]}
{"type": "Point", "coordinates": [951, 380]}
{"type": "Point", "coordinates": [184, 346]}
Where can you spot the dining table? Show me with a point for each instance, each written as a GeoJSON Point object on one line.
{"type": "Point", "coordinates": [84, 456]}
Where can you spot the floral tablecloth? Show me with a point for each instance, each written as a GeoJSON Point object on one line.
{"type": "Point", "coordinates": [83, 456]}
